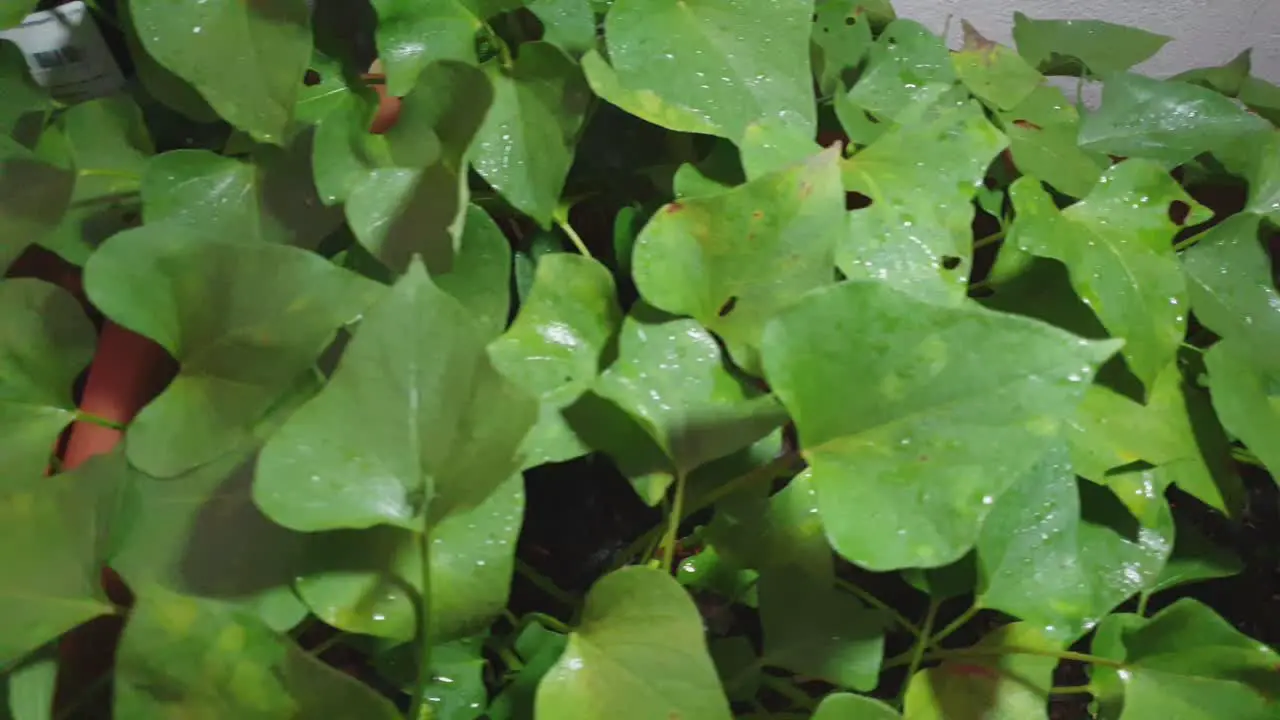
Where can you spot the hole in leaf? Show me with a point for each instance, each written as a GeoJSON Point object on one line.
{"type": "Point", "coordinates": [856, 201]}
{"type": "Point", "coordinates": [950, 262]}
{"type": "Point", "coordinates": [980, 292]}
{"type": "Point", "coordinates": [1178, 212]}
{"type": "Point", "coordinates": [728, 306]}
{"type": "Point", "coordinates": [310, 78]}
{"type": "Point", "coordinates": [850, 20]}
{"type": "Point", "coordinates": [871, 118]}
{"type": "Point", "coordinates": [990, 183]}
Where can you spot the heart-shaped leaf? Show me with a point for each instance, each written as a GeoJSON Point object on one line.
{"type": "Point", "coordinates": [525, 147]}
{"type": "Point", "coordinates": [554, 347]}
{"type": "Point", "coordinates": [186, 657]}
{"type": "Point", "coordinates": [412, 34]}
{"type": "Point", "coordinates": [568, 24]}
{"type": "Point", "coordinates": [50, 561]}
{"type": "Point", "coordinates": [1165, 121]}
{"type": "Point", "coordinates": [999, 687]}
{"type": "Point", "coordinates": [1186, 662]}
{"type": "Point", "coordinates": [734, 259]}
{"type": "Point", "coordinates": [45, 342]}
{"type": "Point", "coordinates": [713, 67]}
{"type": "Point", "coordinates": [357, 580]}
{"type": "Point", "coordinates": [416, 205]}
{"type": "Point", "coordinates": [1062, 553]}
{"type": "Point", "coordinates": [269, 198]}
{"type": "Point", "coordinates": [680, 401]}
{"type": "Point", "coordinates": [927, 470]}
{"type": "Point", "coordinates": [638, 652]}
{"type": "Point", "coordinates": [920, 179]}
{"type": "Point", "coordinates": [1117, 245]}
{"type": "Point", "coordinates": [1077, 47]}
{"type": "Point", "coordinates": [245, 58]}
{"type": "Point", "coordinates": [427, 440]}
{"type": "Point", "coordinates": [244, 321]}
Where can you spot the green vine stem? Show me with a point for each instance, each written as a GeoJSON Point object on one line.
{"type": "Point", "coordinates": [543, 583]}
{"type": "Point", "coordinates": [1072, 690]}
{"type": "Point", "coordinates": [880, 605]}
{"type": "Point", "coordinates": [673, 525]}
{"type": "Point", "coordinates": [954, 625]}
{"type": "Point", "coordinates": [917, 652]}
{"type": "Point", "coordinates": [788, 690]}
{"type": "Point", "coordinates": [978, 651]}
{"type": "Point", "coordinates": [419, 709]}
{"type": "Point", "coordinates": [82, 416]}
{"type": "Point", "coordinates": [561, 218]}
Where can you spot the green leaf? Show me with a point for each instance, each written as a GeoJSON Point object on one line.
{"type": "Point", "coordinates": [1186, 662]}
{"type": "Point", "coordinates": [992, 72]}
{"type": "Point", "coordinates": [1062, 553]}
{"type": "Point", "coordinates": [909, 65]}
{"type": "Point", "coordinates": [1262, 97]}
{"type": "Point", "coordinates": [1264, 179]}
{"type": "Point", "coordinates": [712, 67]}
{"type": "Point", "coordinates": [708, 571]}
{"type": "Point", "coordinates": [13, 12]}
{"type": "Point", "coordinates": [481, 272]}
{"type": "Point", "coordinates": [671, 381]}
{"type": "Point", "coordinates": [417, 204]}
{"type": "Point", "coordinates": [107, 145]}
{"type": "Point", "coordinates": [1117, 245]}
{"type": "Point", "coordinates": [329, 91]}
{"type": "Point", "coordinates": [999, 687]}
{"type": "Point", "coordinates": [367, 581]}
{"type": "Point", "coordinates": [267, 199]}
{"type": "Point", "coordinates": [1166, 121]}
{"type": "Point", "coordinates": [32, 686]}
{"type": "Point", "coordinates": [184, 657]}
{"type": "Point", "coordinates": [568, 24]}
{"type": "Point", "coordinates": [246, 59]}
{"type": "Point", "coordinates": [553, 348]}
{"type": "Point", "coordinates": [412, 34]}
{"type": "Point", "coordinates": [406, 427]}
{"type": "Point", "coordinates": [944, 583]}
{"type": "Point", "coordinates": [33, 198]}
{"type": "Point", "coordinates": [1195, 558]}
{"type": "Point", "coordinates": [907, 429]}
{"type": "Point", "coordinates": [539, 648]}
{"type": "Point", "coordinates": [1042, 132]}
{"type": "Point", "coordinates": [199, 534]}
{"type": "Point", "coordinates": [842, 35]}
{"type": "Point", "coordinates": [920, 178]}
{"type": "Point", "coordinates": [771, 145]}
{"type": "Point", "coordinates": [525, 147]}
{"type": "Point", "coordinates": [845, 706]}
{"type": "Point", "coordinates": [244, 321]}
{"type": "Point", "coordinates": [456, 690]}
{"type": "Point", "coordinates": [158, 81]}
{"type": "Point", "coordinates": [638, 653]}
{"type": "Point", "coordinates": [49, 561]}
{"type": "Point", "coordinates": [1232, 291]}
{"type": "Point", "coordinates": [19, 94]}
{"type": "Point", "coordinates": [1076, 47]}
{"type": "Point", "coordinates": [734, 259]}
{"type": "Point", "coordinates": [1228, 79]}
{"type": "Point", "coordinates": [1111, 431]}
{"type": "Point", "coordinates": [1246, 397]}
{"type": "Point", "coordinates": [45, 342]}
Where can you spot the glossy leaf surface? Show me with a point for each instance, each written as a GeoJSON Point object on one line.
{"type": "Point", "coordinates": [246, 59]}
{"type": "Point", "coordinates": [1117, 245]}
{"type": "Point", "coordinates": [412, 34]}
{"type": "Point", "coordinates": [907, 431]}
{"type": "Point", "coordinates": [45, 342]}
{"type": "Point", "coordinates": [1246, 399]}
{"type": "Point", "coordinates": [426, 442]}
{"type": "Point", "coordinates": [638, 652]}
{"type": "Point", "coordinates": [244, 321]}
{"type": "Point", "coordinates": [734, 259]}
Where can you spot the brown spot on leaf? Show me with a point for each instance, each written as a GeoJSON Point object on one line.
{"type": "Point", "coordinates": [1026, 124]}
{"type": "Point", "coordinates": [972, 671]}
{"type": "Point", "coordinates": [728, 306]}
{"type": "Point", "coordinates": [757, 215]}
{"type": "Point", "coordinates": [675, 207]}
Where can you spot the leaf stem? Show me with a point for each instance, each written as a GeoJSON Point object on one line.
{"type": "Point", "coordinates": [562, 220]}
{"type": "Point", "coordinates": [673, 525]}
{"type": "Point", "coordinates": [786, 689]}
{"type": "Point", "coordinates": [549, 622]}
{"type": "Point", "coordinates": [1071, 690]}
{"type": "Point", "coordinates": [82, 416]}
{"type": "Point", "coordinates": [996, 651]}
{"type": "Point", "coordinates": [545, 584]}
{"type": "Point", "coordinates": [991, 239]}
{"type": "Point", "coordinates": [878, 604]}
{"type": "Point", "coordinates": [1243, 455]}
{"type": "Point", "coordinates": [1143, 598]}
{"type": "Point", "coordinates": [107, 172]}
{"type": "Point", "coordinates": [1179, 247]}
{"type": "Point", "coordinates": [419, 708]}
{"type": "Point", "coordinates": [917, 652]}
{"type": "Point", "coordinates": [954, 625]}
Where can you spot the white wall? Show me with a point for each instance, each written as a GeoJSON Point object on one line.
{"type": "Point", "coordinates": [1205, 32]}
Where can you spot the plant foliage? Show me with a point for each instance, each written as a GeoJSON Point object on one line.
{"type": "Point", "coordinates": [867, 378]}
